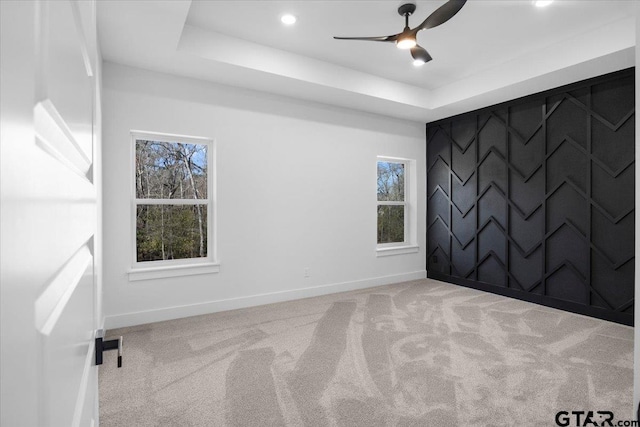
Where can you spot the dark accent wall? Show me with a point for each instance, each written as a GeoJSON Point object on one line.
{"type": "Point", "coordinates": [534, 198]}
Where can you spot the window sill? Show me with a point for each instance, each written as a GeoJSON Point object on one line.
{"type": "Point", "coordinates": [136, 274]}
{"type": "Point", "coordinates": [397, 250]}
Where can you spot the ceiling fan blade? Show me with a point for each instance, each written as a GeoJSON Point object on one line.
{"type": "Point", "coordinates": [419, 53]}
{"type": "Point", "coordinates": [371, 39]}
{"type": "Point", "coordinates": [442, 14]}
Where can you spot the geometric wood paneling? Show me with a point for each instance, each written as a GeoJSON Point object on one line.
{"type": "Point", "coordinates": [534, 198]}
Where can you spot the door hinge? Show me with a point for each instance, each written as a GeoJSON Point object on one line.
{"type": "Point", "coordinates": [102, 346]}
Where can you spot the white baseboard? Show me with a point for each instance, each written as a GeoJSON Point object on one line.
{"type": "Point", "coordinates": [176, 312]}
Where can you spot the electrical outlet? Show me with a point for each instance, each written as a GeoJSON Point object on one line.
{"type": "Point", "coordinates": [307, 272]}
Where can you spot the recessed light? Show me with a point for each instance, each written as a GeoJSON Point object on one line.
{"type": "Point", "coordinates": [288, 19]}
{"type": "Point", "coordinates": [542, 3]}
{"type": "Point", "coordinates": [418, 62]}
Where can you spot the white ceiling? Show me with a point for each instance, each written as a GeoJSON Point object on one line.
{"type": "Point", "coordinates": [491, 51]}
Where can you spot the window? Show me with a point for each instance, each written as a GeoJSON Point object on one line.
{"type": "Point", "coordinates": [172, 205]}
{"type": "Point", "coordinates": [396, 206]}
{"type": "Point", "coordinates": [391, 202]}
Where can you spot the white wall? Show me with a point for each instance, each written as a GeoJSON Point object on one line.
{"type": "Point", "coordinates": [296, 189]}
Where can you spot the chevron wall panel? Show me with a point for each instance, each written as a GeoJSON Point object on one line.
{"type": "Point", "coordinates": [534, 198]}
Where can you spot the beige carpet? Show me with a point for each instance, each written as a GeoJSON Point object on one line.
{"type": "Point", "coordinates": [422, 353]}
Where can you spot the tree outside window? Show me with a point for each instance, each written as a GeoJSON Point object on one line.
{"type": "Point", "coordinates": [171, 200]}
{"type": "Point", "coordinates": [392, 212]}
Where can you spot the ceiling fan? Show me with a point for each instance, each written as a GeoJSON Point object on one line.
{"type": "Point", "coordinates": [407, 38]}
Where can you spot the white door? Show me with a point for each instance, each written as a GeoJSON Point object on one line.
{"type": "Point", "coordinates": [49, 218]}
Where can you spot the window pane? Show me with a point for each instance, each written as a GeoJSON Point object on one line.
{"type": "Point", "coordinates": [169, 170]}
{"type": "Point", "coordinates": [171, 232]}
{"type": "Point", "coordinates": [391, 182]}
{"type": "Point", "coordinates": [390, 224]}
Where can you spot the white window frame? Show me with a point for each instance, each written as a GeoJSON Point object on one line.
{"type": "Point", "coordinates": [409, 244]}
{"type": "Point", "coordinates": [145, 270]}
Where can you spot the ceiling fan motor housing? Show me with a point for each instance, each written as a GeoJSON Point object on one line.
{"type": "Point", "coordinates": [407, 9]}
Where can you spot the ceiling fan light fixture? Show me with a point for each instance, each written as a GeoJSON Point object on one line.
{"type": "Point", "coordinates": [406, 42]}
{"type": "Point", "coordinates": [420, 56]}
